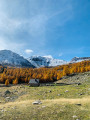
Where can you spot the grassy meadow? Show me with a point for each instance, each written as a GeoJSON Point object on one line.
{"type": "Point", "coordinates": [59, 102]}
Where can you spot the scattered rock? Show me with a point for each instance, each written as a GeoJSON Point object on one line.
{"type": "Point", "coordinates": [50, 91]}
{"type": "Point", "coordinates": [22, 93]}
{"type": "Point", "coordinates": [7, 97]}
{"type": "Point", "coordinates": [66, 91]}
{"type": "Point", "coordinates": [74, 116]}
{"type": "Point", "coordinates": [43, 106]}
{"type": "Point", "coordinates": [2, 110]}
{"type": "Point", "coordinates": [78, 104]}
{"type": "Point", "coordinates": [38, 102]}
{"type": "Point", "coordinates": [15, 91]}
{"type": "Point", "coordinates": [79, 84]}
{"type": "Point", "coordinates": [13, 107]}
{"type": "Point", "coordinates": [47, 84]}
{"type": "Point", "coordinates": [81, 94]}
{"type": "Point", "coordinates": [7, 92]}
{"type": "Point", "coordinates": [45, 92]}
{"type": "Point", "coordinates": [65, 77]}
{"type": "Point", "coordinates": [59, 94]}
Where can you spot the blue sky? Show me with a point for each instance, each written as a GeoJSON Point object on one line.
{"type": "Point", "coordinates": [57, 28]}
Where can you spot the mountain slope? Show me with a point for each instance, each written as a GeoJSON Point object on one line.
{"type": "Point", "coordinates": [10, 58]}
{"type": "Point", "coordinates": [39, 61]}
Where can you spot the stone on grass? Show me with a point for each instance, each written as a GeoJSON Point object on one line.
{"type": "Point", "coordinates": [13, 107]}
{"type": "Point", "coordinates": [66, 91]}
{"type": "Point", "coordinates": [7, 97]}
{"type": "Point", "coordinates": [50, 91]}
{"type": "Point", "coordinates": [79, 84]}
{"type": "Point", "coordinates": [78, 104]}
{"type": "Point", "coordinates": [2, 110]}
{"type": "Point", "coordinates": [37, 102]}
{"type": "Point", "coordinates": [43, 106]}
{"type": "Point", "coordinates": [74, 116]}
{"type": "Point", "coordinates": [81, 94]}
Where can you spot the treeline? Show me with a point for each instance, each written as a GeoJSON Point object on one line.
{"type": "Point", "coordinates": [23, 75]}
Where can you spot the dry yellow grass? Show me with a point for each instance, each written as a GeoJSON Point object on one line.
{"type": "Point", "coordinates": [50, 102]}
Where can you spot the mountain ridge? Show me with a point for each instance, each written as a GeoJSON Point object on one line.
{"type": "Point", "coordinates": [9, 58]}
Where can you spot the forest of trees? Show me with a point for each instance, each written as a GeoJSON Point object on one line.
{"type": "Point", "coordinates": [10, 75]}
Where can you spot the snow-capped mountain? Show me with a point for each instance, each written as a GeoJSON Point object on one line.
{"type": "Point", "coordinates": [10, 58]}
{"type": "Point", "coordinates": [79, 59]}
{"type": "Point", "coordinates": [45, 61]}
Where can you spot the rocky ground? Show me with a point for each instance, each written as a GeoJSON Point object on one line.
{"type": "Point", "coordinates": [75, 78]}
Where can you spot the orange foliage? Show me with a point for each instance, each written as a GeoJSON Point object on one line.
{"type": "Point", "coordinates": [7, 82]}
{"type": "Point", "coordinates": [15, 81]}
{"type": "Point", "coordinates": [23, 75]}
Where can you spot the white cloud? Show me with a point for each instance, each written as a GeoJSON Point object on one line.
{"type": "Point", "coordinates": [28, 51]}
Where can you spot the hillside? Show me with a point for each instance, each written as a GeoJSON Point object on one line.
{"type": "Point", "coordinates": [59, 102]}
{"type": "Point", "coordinates": [64, 93]}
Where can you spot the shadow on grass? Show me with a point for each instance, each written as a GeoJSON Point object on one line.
{"type": "Point", "coordinates": [58, 84]}
{"type": "Point", "coordinates": [53, 84]}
